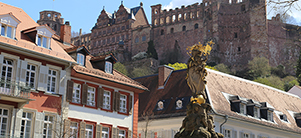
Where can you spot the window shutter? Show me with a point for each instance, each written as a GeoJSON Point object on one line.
{"type": "Point", "coordinates": [18, 122]}
{"type": "Point", "coordinates": [241, 134]}
{"type": "Point", "coordinates": [98, 130]}
{"type": "Point", "coordinates": [100, 97]}
{"type": "Point", "coordinates": [114, 133]}
{"type": "Point", "coordinates": [42, 84]}
{"type": "Point", "coordinates": [84, 94]}
{"type": "Point", "coordinates": [69, 90]}
{"type": "Point", "coordinates": [67, 124]}
{"type": "Point", "coordinates": [62, 82]}
{"type": "Point", "coordinates": [39, 124]}
{"type": "Point", "coordinates": [129, 134]}
{"type": "Point", "coordinates": [1, 62]}
{"type": "Point", "coordinates": [130, 102]}
{"type": "Point", "coordinates": [82, 131]}
{"type": "Point", "coordinates": [117, 101]}
{"type": "Point", "coordinates": [58, 127]}
{"type": "Point", "coordinates": [23, 72]}
{"type": "Point", "coordinates": [114, 101]}
{"type": "Point", "coordinates": [234, 133]}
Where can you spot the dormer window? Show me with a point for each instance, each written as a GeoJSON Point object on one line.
{"type": "Point", "coordinates": [266, 111]}
{"type": "Point", "coordinates": [256, 112]}
{"type": "Point", "coordinates": [283, 117]}
{"type": "Point", "coordinates": [238, 104]}
{"type": "Point", "coordinates": [242, 108]}
{"type": "Point", "coordinates": [270, 116]}
{"type": "Point", "coordinates": [108, 68]}
{"type": "Point", "coordinates": [80, 59]}
{"type": "Point", "coordinates": [43, 41]}
{"type": "Point", "coordinates": [253, 108]}
{"type": "Point", "coordinates": [8, 24]}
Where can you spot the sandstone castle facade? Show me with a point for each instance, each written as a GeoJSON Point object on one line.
{"type": "Point", "coordinates": [240, 30]}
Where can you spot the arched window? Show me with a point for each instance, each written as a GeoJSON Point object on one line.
{"type": "Point", "coordinates": [162, 21]}
{"type": "Point", "coordinates": [156, 22]}
{"type": "Point", "coordinates": [185, 16]}
{"type": "Point", "coordinates": [167, 19]}
{"type": "Point", "coordinates": [156, 11]}
{"type": "Point", "coordinates": [173, 18]}
{"type": "Point", "coordinates": [171, 30]}
{"type": "Point", "coordinates": [184, 28]}
{"type": "Point", "coordinates": [162, 31]}
{"type": "Point", "coordinates": [196, 26]}
{"type": "Point", "coordinates": [179, 17]}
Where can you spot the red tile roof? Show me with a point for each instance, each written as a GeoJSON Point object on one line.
{"type": "Point", "coordinates": [217, 83]}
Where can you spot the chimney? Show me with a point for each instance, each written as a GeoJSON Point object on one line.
{"type": "Point", "coordinates": [66, 33]}
{"type": "Point", "coordinates": [163, 74]}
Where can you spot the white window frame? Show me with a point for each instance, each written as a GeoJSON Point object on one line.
{"type": "Point", "coordinates": [88, 131]}
{"type": "Point", "coordinates": [105, 133]}
{"type": "Point", "coordinates": [26, 120]}
{"type": "Point", "coordinates": [2, 116]}
{"type": "Point", "coordinates": [73, 130]}
{"type": "Point", "coordinates": [91, 96]}
{"type": "Point", "coordinates": [51, 84]}
{"type": "Point", "coordinates": [48, 123]}
{"type": "Point", "coordinates": [29, 76]}
{"type": "Point", "coordinates": [42, 41]}
{"type": "Point", "coordinates": [256, 112]}
{"type": "Point", "coordinates": [80, 59]}
{"type": "Point", "coordinates": [108, 68]}
{"type": "Point", "coordinates": [106, 100]}
{"type": "Point", "coordinates": [75, 97]}
{"type": "Point", "coordinates": [270, 116]}
{"type": "Point", "coordinates": [242, 108]}
{"type": "Point", "coordinates": [123, 103]}
{"type": "Point", "coordinates": [5, 33]}
{"type": "Point", "coordinates": [6, 87]}
{"type": "Point", "coordinates": [246, 135]}
{"type": "Point", "coordinates": [227, 133]}
{"type": "Point", "coordinates": [120, 135]}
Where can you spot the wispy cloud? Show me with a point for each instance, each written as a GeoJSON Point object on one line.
{"type": "Point", "coordinates": [178, 3]}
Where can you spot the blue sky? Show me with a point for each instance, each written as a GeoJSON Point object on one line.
{"type": "Point", "coordinates": [84, 13]}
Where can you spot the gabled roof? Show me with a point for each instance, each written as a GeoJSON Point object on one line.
{"type": "Point", "coordinates": [116, 77]}
{"type": "Point", "coordinates": [217, 84]}
{"type": "Point", "coordinates": [24, 43]}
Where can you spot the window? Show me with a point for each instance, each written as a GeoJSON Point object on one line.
{"type": "Point", "coordinates": [48, 126]}
{"type": "Point", "coordinates": [121, 134]}
{"type": "Point", "coordinates": [246, 135]}
{"type": "Point", "coordinates": [179, 104]}
{"type": "Point", "coordinates": [30, 75]}
{"type": "Point", "coordinates": [283, 117]}
{"type": "Point", "coordinates": [26, 125]}
{"type": "Point", "coordinates": [4, 122]}
{"type": "Point", "coordinates": [76, 93]}
{"type": "Point", "coordinates": [171, 30]}
{"type": "Point", "coordinates": [7, 31]}
{"type": "Point", "coordinates": [108, 68]}
{"type": "Point", "coordinates": [7, 70]}
{"type": "Point", "coordinates": [91, 96]}
{"type": "Point", "coordinates": [136, 39]}
{"type": "Point", "coordinates": [184, 28]}
{"type": "Point", "coordinates": [80, 59]}
{"type": "Point", "coordinates": [243, 7]}
{"type": "Point", "coordinates": [227, 133]}
{"type": "Point", "coordinates": [89, 131]}
{"type": "Point", "coordinates": [105, 133]}
{"type": "Point", "coordinates": [73, 130]}
{"type": "Point", "coordinates": [107, 100]}
{"type": "Point", "coordinates": [51, 81]}
{"type": "Point", "coordinates": [235, 35]}
{"type": "Point", "coordinates": [196, 26]}
{"type": "Point", "coordinates": [242, 108]}
{"type": "Point", "coordinates": [270, 116]}
{"type": "Point", "coordinates": [162, 32]}
{"type": "Point", "coordinates": [256, 112]}
{"type": "Point", "coordinates": [143, 38]}
{"type": "Point", "coordinates": [123, 103]}
{"type": "Point", "coordinates": [43, 41]}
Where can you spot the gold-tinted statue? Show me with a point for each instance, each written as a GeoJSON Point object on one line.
{"type": "Point", "coordinates": [197, 123]}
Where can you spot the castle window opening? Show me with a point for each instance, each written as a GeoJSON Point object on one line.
{"type": "Point", "coordinates": [122, 37]}
{"type": "Point", "coordinates": [162, 31]}
{"type": "Point", "coordinates": [238, 1]}
{"type": "Point", "coordinates": [113, 39]}
{"type": "Point", "coordinates": [243, 7]}
{"type": "Point", "coordinates": [235, 35]}
{"type": "Point", "coordinates": [230, 1]}
{"type": "Point", "coordinates": [185, 16]}
{"type": "Point", "coordinates": [55, 16]}
{"type": "Point", "coordinates": [191, 15]}
{"type": "Point", "coordinates": [48, 15]}
{"type": "Point", "coordinates": [123, 27]}
{"type": "Point", "coordinates": [104, 32]}
{"type": "Point", "coordinates": [156, 22]}
{"type": "Point", "coordinates": [239, 49]}
{"type": "Point", "coordinates": [113, 30]}
{"type": "Point", "coordinates": [197, 14]}
{"type": "Point", "coordinates": [156, 11]}
{"type": "Point", "coordinates": [109, 31]}
{"type": "Point", "coordinates": [167, 19]}
{"type": "Point", "coordinates": [136, 39]}
{"type": "Point", "coordinates": [184, 28]}
{"type": "Point", "coordinates": [206, 4]}
{"type": "Point", "coordinates": [196, 26]}
{"type": "Point", "coordinates": [127, 26]}
{"type": "Point", "coordinates": [179, 17]}
{"type": "Point", "coordinates": [171, 30]}
{"type": "Point", "coordinates": [143, 38]}
{"type": "Point", "coordinates": [118, 28]}
{"type": "Point", "coordinates": [173, 18]}
{"type": "Point", "coordinates": [127, 36]}
{"type": "Point", "coordinates": [162, 21]}
{"type": "Point", "coordinates": [108, 40]}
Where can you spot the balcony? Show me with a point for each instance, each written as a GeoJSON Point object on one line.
{"type": "Point", "coordinates": [14, 93]}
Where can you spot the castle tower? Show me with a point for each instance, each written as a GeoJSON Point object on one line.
{"type": "Point", "coordinates": [52, 19]}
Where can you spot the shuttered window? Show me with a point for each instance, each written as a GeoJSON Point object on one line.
{"type": "Point", "coordinates": [123, 102]}
{"type": "Point", "coordinates": [76, 93]}
{"type": "Point", "coordinates": [91, 96]}
{"type": "Point", "coordinates": [30, 76]}
{"type": "Point", "coordinates": [74, 130]}
{"type": "Point", "coordinates": [48, 126]}
{"type": "Point", "coordinates": [89, 131]}
{"type": "Point", "coordinates": [122, 134]}
{"type": "Point", "coordinates": [4, 120]}
{"type": "Point", "coordinates": [7, 73]}
{"type": "Point", "coordinates": [26, 125]}
{"type": "Point", "coordinates": [51, 81]}
{"type": "Point", "coordinates": [106, 100]}
{"type": "Point", "coordinates": [105, 133]}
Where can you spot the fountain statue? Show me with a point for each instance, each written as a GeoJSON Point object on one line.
{"type": "Point", "coordinates": [198, 123]}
